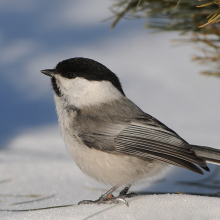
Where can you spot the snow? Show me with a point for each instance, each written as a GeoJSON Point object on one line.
{"type": "Point", "coordinates": [147, 207]}
{"type": "Point", "coordinates": [35, 166]}
{"type": "Point", "coordinates": [36, 163]}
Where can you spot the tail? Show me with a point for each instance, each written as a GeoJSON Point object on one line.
{"type": "Point", "coordinates": [208, 154]}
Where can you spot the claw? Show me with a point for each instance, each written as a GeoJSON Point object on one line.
{"type": "Point", "coordinates": [123, 200]}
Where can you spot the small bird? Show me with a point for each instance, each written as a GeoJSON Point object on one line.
{"type": "Point", "coordinates": [109, 137]}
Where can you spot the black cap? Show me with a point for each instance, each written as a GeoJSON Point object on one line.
{"type": "Point", "coordinates": [88, 69]}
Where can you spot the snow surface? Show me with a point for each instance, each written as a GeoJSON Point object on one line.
{"type": "Point", "coordinates": [36, 163]}
{"type": "Point", "coordinates": [35, 167]}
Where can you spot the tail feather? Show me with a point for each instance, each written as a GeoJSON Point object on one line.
{"type": "Point", "coordinates": [210, 155]}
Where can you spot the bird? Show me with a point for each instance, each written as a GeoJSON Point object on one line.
{"type": "Point", "coordinates": [109, 137]}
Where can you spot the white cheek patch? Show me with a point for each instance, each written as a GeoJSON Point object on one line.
{"type": "Point", "coordinates": [82, 92]}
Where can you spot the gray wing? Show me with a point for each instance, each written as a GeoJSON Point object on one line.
{"type": "Point", "coordinates": [145, 138]}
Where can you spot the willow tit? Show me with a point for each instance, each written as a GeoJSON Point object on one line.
{"type": "Point", "coordinates": [109, 137]}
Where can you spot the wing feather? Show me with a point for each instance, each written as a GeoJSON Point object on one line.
{"type": "Point", "coordinates": [144, 140]}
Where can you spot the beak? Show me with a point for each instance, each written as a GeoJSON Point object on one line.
{"type": "Point", "coordinates": [49, 72]}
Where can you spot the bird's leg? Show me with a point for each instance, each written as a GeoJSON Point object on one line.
{"type": "Point", "coordinates": [108, 198]}
{"type": "Point", "coordinates": [102, 199]}
{"type": "Point", "coordinates": [123, 193]}
{"type": "Point", "coordinates": [125, 190]}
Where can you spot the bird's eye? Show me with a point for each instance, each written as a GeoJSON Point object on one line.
{"type": "Point", "coordinates": [70, 75]}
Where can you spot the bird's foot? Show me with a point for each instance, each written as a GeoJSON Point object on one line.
{"type": "Point", "coordinates": [111, 199]}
